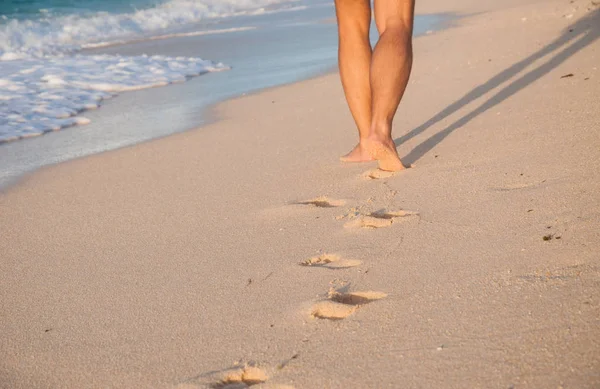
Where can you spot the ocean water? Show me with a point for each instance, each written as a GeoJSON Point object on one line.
{"type": "Point", "coordinates": [37, 9]}
{"type": "Point", "coordinates": [47, 83]}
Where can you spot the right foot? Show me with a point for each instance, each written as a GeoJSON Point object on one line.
{"type": "Point", "coordinates": [384, 151]}
{"type": "Point", "coordinates": [358, 154]}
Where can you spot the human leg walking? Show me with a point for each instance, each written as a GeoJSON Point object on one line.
{"type": "Point", "coordinates": [387, 74]}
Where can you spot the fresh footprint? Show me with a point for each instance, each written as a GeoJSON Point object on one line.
{"type": "Point", "coordinates": [238, 377]}
{"type": "Point", "coordinates": [331, 261]}
{"type": "Point", "coordinates": [241, 378]}
{"type": "Point", "coordinates": [379, 219]}
{"type": "Point", "coordinates": [323, 202]}
{"type": "Point", "coordinates": [332, 310]}
{"type": "Point", "coordinates": [340, 305]}
{"type": "Point", "coordinates": [376, 174]}
{"type": "Point", "coordinates": [388, 214]}
{"type": "Point", "coordinates": [368, 222]}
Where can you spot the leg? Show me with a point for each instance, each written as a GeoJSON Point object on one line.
{"type": "Point", "coordinates": [390, 70]}
{"type": "Point", "coordinates": [354, 21]}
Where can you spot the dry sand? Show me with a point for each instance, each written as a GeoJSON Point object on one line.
{"type": "Point", "coordinates": [178, 263]}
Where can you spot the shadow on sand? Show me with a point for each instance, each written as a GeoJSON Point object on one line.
{"type": "Point", "coordinates": [573, 39]}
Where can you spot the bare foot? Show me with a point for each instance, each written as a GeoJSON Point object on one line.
{"type": "Point", "coordinates": [358, 154]}
{"type": "Point", "coordinates": [384, 151]}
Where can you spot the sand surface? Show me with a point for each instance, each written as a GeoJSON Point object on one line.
{"type": "Point", "coordinates": [244, 253]}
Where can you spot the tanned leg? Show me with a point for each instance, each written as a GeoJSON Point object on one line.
{"type": "Point", "coordinates": [354, 20]}
{"type": "Point", "coordinates": [390, 69]}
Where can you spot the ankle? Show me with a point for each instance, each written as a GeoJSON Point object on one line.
{"type": "Point", "coordinates": [381, 130]}
{"type": "Point", "coordinates": [380, 136]}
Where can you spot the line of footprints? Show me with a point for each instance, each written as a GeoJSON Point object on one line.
{"type": "Point", "coordinates": [338, 304]}
{"type": "Point", "coordinates": [341, 303]}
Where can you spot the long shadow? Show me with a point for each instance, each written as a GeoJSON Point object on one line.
{"type": "Point", "coordinates": [574, 38]}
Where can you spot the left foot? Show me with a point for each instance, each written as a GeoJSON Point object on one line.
{"type": "Point", "coordinates": [358, 154]}
{"type": "Point", "coordinates": [384, 151]}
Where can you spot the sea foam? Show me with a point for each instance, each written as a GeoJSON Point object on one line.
{"type": "Point", "coordinates": [45, 83]}
{"type": "Point", "coordinates": [55, 35]}
{"type": "Point", "coordinates": [39, 96]}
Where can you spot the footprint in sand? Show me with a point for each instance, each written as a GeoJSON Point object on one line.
{"type": "Point", "coordinates": [322, 202]}
{"type": "Point", "coordinates": [242, 378]}
{"type": "Point", "coordinates": [379, 219]}
{"type": "Point", "coordinates": [376, 174]}
{"type": "Point", "coordinates": [238, 377]}
{"type": "Point", "coordinates": [331, 261]}
{"type": "Point", "coordinates": [340, 305]}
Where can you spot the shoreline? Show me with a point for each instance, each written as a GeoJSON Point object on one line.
{"type": "Point", "coordinates": [244, 252]}
{"type": "Point", "coordinates": [177, 107]}
{"type": "Point", "coordinates": [209, 114]}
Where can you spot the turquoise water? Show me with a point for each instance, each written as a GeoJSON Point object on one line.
{"type": "Point", "coordinates": [36, 9]}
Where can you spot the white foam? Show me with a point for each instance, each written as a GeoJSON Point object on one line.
{"type": "Point", "coordinates": [42, 95]}
{"type": "Point", "coordinates": [21, 39]}
{"type": "Point", "coordinates": [45, 84]}
{"type": "Point", "coordinates": [168, 36]}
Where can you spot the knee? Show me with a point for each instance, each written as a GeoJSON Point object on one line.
{"type": "Point", "coordinates": [353, 29]}
{"type": "Point", "coordinates": [401, 35]}
{"type": "Point", "coordinates": [353, 35]}
{"type": "Point", "coordinates": [400, 29]}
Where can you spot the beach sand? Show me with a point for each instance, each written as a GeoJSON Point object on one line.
{"type": "Point", "coordinates": [244, 253]}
